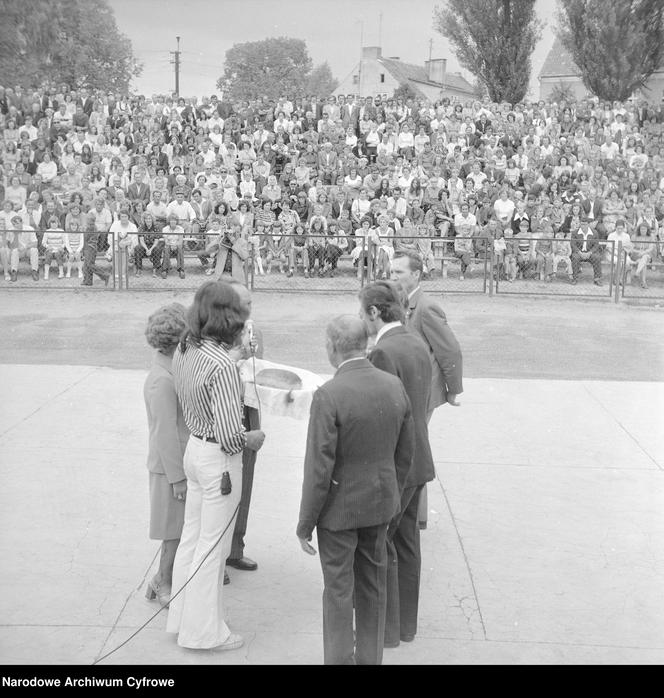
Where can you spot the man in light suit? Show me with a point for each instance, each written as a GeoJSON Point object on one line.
{"type": "Point", "coordinates": [359, 452]}
{"type": "Point", "coordinates": [426, 318]}
{"type": "Point", "coordinates": [327, 163]}
{"type": "Point", "coordinates": [139, 190]}
{"type": "Point", "coordinates": [403, 354]}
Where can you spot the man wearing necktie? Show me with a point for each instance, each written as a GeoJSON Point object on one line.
{"type": "Point", "coordinates": [426, 318]}
{"type": "Point", "coordinates": [585, 248]}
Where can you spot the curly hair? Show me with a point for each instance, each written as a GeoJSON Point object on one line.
{"type": "Point", "coordinates": [166, 326]}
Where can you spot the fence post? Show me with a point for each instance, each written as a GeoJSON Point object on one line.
{"type": "Point", "coordinates": [360, 264]}
{"type": "Point", "coordinates": [618, 269]}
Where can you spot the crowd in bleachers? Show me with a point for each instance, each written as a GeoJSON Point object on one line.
{"type": "Point", "coordinates": [294, 184]}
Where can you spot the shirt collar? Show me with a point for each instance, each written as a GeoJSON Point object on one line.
{"type": "Point", "coordinates": [413, 292]}
{"type": "Point", "coordinates": [347, 361]}
{"type": "Point", "coordinates": [386, 328]}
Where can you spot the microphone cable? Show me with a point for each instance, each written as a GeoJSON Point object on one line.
{"type": "Point", "coordinates": [179, 591]}
{"type": "Point", "coordinates": [149, 620]}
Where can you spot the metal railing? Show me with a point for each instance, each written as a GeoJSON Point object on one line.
{"type": "Point", "coordinates": [452, 265]}
{"type": "Point", "coordinates": [639, 278]}
{"type": "Point", "coordinates": [538, 273]}
{"type": "Point", "coordinates": [27, 263]}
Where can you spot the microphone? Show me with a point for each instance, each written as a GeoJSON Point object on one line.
{"type": "Point", "coordinates": [250, 335]}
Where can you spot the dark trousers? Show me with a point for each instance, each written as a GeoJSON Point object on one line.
{"type": "Point", "coordinates": [316, 252]}
{"type": "Point", "coordinates": [403, 568]}
{"type": "Point", "coordinates": [354, 564]}
{"type": "Point", "coordinates": [90, 266]}
{"type": "Point", "coordinates": [251, 422]}
{"type": "Point", "coordinates": [595, 259]}
{"type": "Point", "coordinates": [155, 256]}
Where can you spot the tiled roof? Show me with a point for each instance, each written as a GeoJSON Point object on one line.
{"type": "Point", "coordinates": [559, 63]}
{"type": "Point", "coordinates": [405, 72]}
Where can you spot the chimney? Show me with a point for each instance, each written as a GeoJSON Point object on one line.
{"type": "Point", "coordinates": [436, 70]}
{"type": "Point", "coordinates": [372, 52]}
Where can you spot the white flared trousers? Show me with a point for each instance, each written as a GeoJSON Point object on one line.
{"type": "Point", "coordinates": [197, 613]}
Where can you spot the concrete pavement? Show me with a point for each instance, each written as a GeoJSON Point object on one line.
{"type": "Point", "coordinates": [545, 541]}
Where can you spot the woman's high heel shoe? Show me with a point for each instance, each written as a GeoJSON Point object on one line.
{"type": "Point", "coordinates": [155, 591]}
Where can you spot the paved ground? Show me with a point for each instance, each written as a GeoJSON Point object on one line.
{"type": "Point", "coordinates": [546, 524]}
{"type": "Point", "coordinates": [502, 337]}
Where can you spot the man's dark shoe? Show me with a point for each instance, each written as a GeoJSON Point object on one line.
{"type": "Point", "coordinates": [573, 282]}
{"type": "Point", "coordinates": [227, 579]}
{"type": "Point", "coordinates": [242, 563]}
{"type": "Point", "coordinates": [391, 645]}
{"type": "Point", "coordinates": [407, 638]}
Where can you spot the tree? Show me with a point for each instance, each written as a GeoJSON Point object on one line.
{"type": "Point", "coordinates": [64, 41]}
{"type": "Point", "coordinates": [616, 45]}
{"type": "Point", "coordinates": [494, 40]}
{"type": "Point", "coordinates": [405, 92]}
{"type": "Point", "coordinates": [271, 68]}
{"type": "Point", "coordinates": [562, 92]}
{"type": "Point", "coordinates": [321, 82]}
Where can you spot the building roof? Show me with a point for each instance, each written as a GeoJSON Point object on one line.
{"type": "Point", "coordinates": [406, 72]}
{"type": "Point", "coordinates": [559, 63]}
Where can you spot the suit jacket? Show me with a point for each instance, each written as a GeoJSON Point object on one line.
{"type": "Point", "coordinates": [404, 354]}
{"type": "Point", "coordinates": [592, 242]}
{"type": "Point", "coordinates": [427, 319]}
{"type": "Point", "coordinates": [596, 206]}
{"type": "Point", "coordinates": [323, 160]}
{"type": "Point", "coordinates": [359, 450]}
{"type": "Point", "coordinates": [168, 433]}
{"type": "Point", "coordinates": [139, 192]}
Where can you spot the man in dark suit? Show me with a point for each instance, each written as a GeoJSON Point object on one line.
{"type": "Point", "coordinates": [426, 318]}
{"type": "Point", "coordinates": [403, 354]}
{"type": "Point", "coordinates": [359, 452]}
{"type": "Point", "coordinates": [585, 248]}
{"type": "Point", "coordinates": [594, 209]}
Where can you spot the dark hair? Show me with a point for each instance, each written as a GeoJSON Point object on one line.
{"type": "Point", "coordinates": [216, 313]}
{"type": "Point", "coordinates": [414, 259]}
{"type": "Point", "coordinates": [386, 298]}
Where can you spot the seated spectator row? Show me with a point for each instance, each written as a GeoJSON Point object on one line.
{"type": "Point", "coordinates": [294, 181]}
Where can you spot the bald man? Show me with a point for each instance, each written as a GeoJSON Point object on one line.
{"type": "Point", "coordinates": [358, 455]}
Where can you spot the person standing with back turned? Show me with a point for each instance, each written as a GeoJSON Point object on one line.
{"type": "Point", "coordinates": [359, 452]}
{"type": "Point", "coordinates": [403, 354]}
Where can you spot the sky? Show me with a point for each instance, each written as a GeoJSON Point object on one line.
{"type": "Point", "coordinates": [333, 31]}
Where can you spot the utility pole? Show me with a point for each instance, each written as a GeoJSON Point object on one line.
{"type": "Point", "coordinates": [361, 50]}
{"type": "Point", "coordinates": [176, 61]}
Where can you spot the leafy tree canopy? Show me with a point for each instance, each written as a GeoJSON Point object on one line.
{"type": "Point", "coordinates": [616, 45]}
{"type": "Point", "coordinates": [76, 42]}
{"type": "Point", "coordinates": [494, 40]}
{"type": "Point", "coordinates": [271, 67]}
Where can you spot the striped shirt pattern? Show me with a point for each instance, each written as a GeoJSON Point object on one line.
{"type": "Point", "coordinates": [208, 386]}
